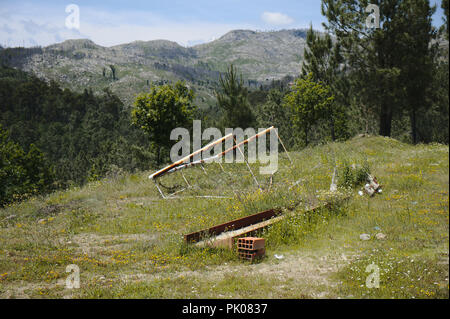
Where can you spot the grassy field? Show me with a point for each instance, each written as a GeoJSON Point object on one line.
{"type": "Point", "coordinates": [128, 242]}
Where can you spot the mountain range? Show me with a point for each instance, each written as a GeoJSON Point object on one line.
{"type": "Point", "coordinates": [131, 68]}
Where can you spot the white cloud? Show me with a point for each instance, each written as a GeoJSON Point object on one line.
{"type": "Point", "coordinates": [32, 25]}
{"type": "Point", "coordinates": [276, 18]}
{"type": "Point", "coordinates": [28, 33]}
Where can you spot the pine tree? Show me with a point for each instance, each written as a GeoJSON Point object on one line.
{"type": "Point", "coordinates": [113, 72]}
{"type": "Point", "coordinates": [233, 100]}
{"type": "Point", "coordinates": [444, 28]}
{"type": "Point", "coordinates": [417, 64]}
{"type": "Point", "coordinates": [273, 112]}
{"type": "Point", "coordinates": [323, 59]}
{"type": "Point", "coordinates": [380, 58]}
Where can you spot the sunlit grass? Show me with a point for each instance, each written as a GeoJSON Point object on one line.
{"type": "Point", "coordinates": [117, 229]}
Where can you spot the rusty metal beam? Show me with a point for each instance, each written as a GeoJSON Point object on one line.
{"type": "Point", "coordinates": [226, 239]}
{"type": "Point", "coordinates": [232, 225]}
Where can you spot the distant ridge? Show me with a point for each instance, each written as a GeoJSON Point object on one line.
{"type": "Point", "coordinates": [81, 63]}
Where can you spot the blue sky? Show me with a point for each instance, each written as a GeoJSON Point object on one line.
{"type": "Point", "coordinates": [30, 23]}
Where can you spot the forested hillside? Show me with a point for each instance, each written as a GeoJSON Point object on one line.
{"type": "Point", "coordinates": [81, 135]}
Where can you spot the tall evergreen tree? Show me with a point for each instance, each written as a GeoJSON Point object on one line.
{"type": "Point", "coordinates": [377, 56]}
{"type": "Point", "coordinates": [433, 125]}
{"type": "Point", "coordinates": [233, 100]}
{"type": "Point", "coordinates": [444, 28]}
{"type": "Point", "coordinates": [274, 112]}
{"type": "Point", "coordinates": [113, 72]}
{"type": "Point", "coordinates": [323, 59]}
{"type": "Point", "coordinates": [417, 64]}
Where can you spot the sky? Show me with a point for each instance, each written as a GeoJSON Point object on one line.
{"type": "Point", "coordinates": [187, 22]}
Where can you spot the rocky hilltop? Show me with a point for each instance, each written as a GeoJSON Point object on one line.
{"type": "Point", "coordinates": [81, 64]}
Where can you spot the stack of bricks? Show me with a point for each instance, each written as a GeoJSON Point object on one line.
{"type": "Point", "coordinates": [250, 248]}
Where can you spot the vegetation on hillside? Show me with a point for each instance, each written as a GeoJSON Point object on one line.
{"type": "Point", "coordinates": [82, 135]}
{"type": "Point", "coordinates": [128, 241]}
{"type": "Point", "coordinates": [22, 174]}
{"type": "Point", "coordinates": [390, 67]}
{"type": "Point", "coordinates": [74, 163]}
{"type": "Point", "coordinates": [157, 113]}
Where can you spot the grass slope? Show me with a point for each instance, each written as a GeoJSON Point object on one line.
{"type": "Point", "coordinates": [128, 242]}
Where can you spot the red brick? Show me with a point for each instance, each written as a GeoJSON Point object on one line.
{"type": "Point", "coordinates": [251, 243]}
{"type": "Point", "coordinates": [251, 254]}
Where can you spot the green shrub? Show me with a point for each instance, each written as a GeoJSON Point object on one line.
{"type": "Point", "coordinates": [351, 176]}
{"type": "Point", "coordinates": [21, 174]}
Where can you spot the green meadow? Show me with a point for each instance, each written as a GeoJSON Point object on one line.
{"type": "Point", "coordinates": [128, 242]}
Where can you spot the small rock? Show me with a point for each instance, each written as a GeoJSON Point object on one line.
{"type": "Point", "coordinates": [380, 236]}
{"type": "Point", "coordinates": [278, 256]}
{"type": "Point", "coordinates": [364, 236]}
